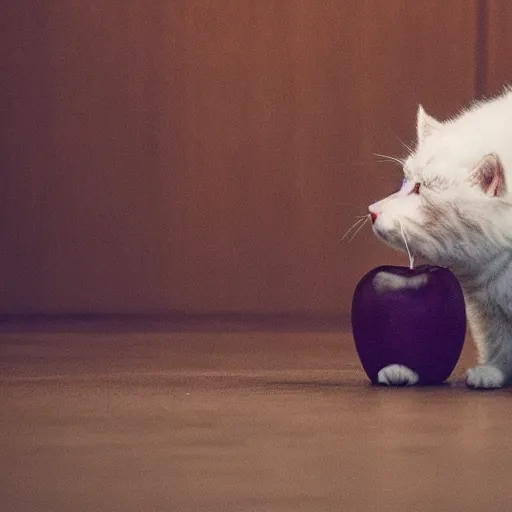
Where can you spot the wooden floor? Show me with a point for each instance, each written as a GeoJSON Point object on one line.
{"type": "Point", "coordinates": [212, 421]}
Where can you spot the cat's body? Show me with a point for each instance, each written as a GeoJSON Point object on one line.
{"type": "Point", "coordinates": [456, 211]}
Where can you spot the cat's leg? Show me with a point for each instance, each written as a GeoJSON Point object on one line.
{"type": "Point", "coordinates": [397, 375]}
{"type": "Point", "coordinates": [492, 336]}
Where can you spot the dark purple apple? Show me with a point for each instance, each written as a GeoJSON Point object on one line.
{"type": "Point", "coordinates": [412, 317]}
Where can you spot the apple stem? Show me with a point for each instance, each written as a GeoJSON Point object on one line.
{"type": "Point", "coordinates": [411, 257]}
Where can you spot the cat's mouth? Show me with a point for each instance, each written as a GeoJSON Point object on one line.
{"type": "Point", "coordinates": [389, 236]}
{"type": "Point", "coordinates": [395, 239]}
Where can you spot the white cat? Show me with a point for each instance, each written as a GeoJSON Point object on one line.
{"type": "Point", "coordinates": [455, 210]}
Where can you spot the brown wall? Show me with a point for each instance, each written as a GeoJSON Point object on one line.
{"type": "Point", "coordinates": [208, 156]}
{"type": "Point", "coordinates": [498, 47]}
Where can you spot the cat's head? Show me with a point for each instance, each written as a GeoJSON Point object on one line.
{"type": "Point", "coordinates": [451, 204]}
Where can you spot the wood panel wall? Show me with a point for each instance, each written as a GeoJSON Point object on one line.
{"type": "Point", "coordinates": [207, 156]}
{"type": "Point", "coordinates": [495, 59]}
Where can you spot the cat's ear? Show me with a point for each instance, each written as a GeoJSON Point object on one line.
{"type": "Point", "coordinates": [426, 125]}
{"type": "Point", "coordinates": [488, 174]}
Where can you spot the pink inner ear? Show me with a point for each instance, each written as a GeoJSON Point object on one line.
{"type": "Point", "coordinates": [489, 181]}
{"type": "Point", "coordinates": [490, 176]}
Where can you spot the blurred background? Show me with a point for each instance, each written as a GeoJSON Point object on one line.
{"type": "Point", "coordinates": [206, 157]}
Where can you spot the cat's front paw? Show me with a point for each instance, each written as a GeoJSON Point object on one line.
{"type": "Point", "coordinates": [485, 376]}
{"type": "Point", "coordinates": [397, 375]}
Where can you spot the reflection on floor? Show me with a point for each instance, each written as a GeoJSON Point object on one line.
{"type": "Point", "coordinates": [193, 421]}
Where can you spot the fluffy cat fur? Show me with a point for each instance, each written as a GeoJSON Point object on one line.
{"type": "Point", "coordinates": [455, 209]}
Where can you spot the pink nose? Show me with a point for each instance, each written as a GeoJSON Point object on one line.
{"type": "Point", "coordinates": [373, 216]}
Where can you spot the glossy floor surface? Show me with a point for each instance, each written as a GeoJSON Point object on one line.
{"type": "Point", "coordinates": [237, 421]}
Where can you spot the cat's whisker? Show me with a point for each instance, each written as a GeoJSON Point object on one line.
{"type": "Point", "coordinates": [389, 158]}
{"type": "Point", "coordinates": [371, 167]}
{"type": "Point", "coordinates": [393, 169]}
{"type": "Point", "coordinates": [385, 161]}
{"type": "Point", "coordinates": [406, 146]}
{"type": "Point", "coordinates": [391, 162]}
{"type": "Point", "coordinates": [360, 227]}
{"type": "Point", "coordinates": [355, 226]}
{"type": "Point", "coordinates": [411, 257]}
{"type": "Point", "coordinates": [351, 228]}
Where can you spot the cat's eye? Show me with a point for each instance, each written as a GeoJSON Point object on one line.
{"type": "Point", "coordinates": [416, 188]}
